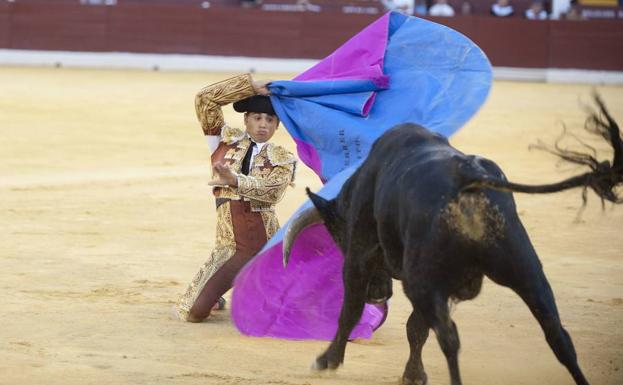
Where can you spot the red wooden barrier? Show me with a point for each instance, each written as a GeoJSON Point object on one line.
{"type": "Point", "coordinates": [155, 29]}
{"type": "Point", "coordinates": [589, 44]}
{"type": "Point", "coordinates": [5, 25]}
{"type": "Point", "coordinates": [57, 26]}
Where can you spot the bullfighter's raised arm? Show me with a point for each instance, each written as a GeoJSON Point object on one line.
{"type": "Point", "coordinates": [210, 99]}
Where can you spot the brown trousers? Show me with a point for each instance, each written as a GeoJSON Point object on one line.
{"type": "Point", "coordinates": [250, 236]}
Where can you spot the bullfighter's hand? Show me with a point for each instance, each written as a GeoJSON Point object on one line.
{"type": "Point", "coordinates": [224, 176]}
{"type": "Point", "coordinates": [261, 86]}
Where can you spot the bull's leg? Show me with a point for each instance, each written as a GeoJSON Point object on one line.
{"type": "Point", "coordinates": [540, 300]}
{"type": "Point", "coordinates": [417, 333]}
{"type": "Point", "coordinates": [355, 277]}
{"type": "Point", "coordinates": [447, 336]}
{"type": "Point", "coordinates": [523, 273]}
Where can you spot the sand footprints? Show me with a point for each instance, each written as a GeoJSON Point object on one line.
{"type": "Point", "coordinates": [233, 380]}
{"type": "Point", "coordinates": [145, 283]}
{"type": "Point", "coordinates": [142, 291]}
{"type": "Point", "coordinates": [610, 302]}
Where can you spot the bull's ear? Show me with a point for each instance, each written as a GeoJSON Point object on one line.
{"type": "Point", "coordinates": [324, 206]}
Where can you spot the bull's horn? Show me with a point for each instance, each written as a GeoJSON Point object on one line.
{"type": "Point", "coordinates": [304, 219]}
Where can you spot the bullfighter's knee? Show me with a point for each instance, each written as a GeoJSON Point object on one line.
{"type": "Point", "coordinates": [180, 314]}
{"type": "Point", "coordinates": [194, 318]}
{"type": "Point", "coordinates": [197, 315]}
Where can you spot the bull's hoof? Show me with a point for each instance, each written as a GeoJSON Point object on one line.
{"type": "Point", "coordinates": [323, 363]}
{"type": "Point", "coordinates": [410, 381]}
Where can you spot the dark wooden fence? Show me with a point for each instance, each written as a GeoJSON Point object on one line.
{"type": "Point", "coordinates": [189, 29]}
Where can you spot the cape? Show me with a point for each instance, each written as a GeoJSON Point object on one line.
{"type": "Point", "coordinates": [398, 69]}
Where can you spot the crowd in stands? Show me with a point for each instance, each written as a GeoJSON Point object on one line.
{"type": "Point", "coordinates": [528, 9]}
{"type": "Point", "coordinates": [537, 9]}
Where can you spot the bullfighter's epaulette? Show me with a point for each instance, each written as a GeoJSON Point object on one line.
{"type": "Point", "coordinates": [231, 135]}
{"type": "Point", "coordinates": [279, 156]}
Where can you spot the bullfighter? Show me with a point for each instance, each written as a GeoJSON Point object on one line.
{"type": "Point", "coordinates": [252, 175]}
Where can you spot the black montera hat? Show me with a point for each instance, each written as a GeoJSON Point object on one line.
{"type": "Point", "coordinates": [255, 103]}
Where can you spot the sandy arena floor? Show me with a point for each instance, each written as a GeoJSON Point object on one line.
{"type": "Point", "coordinates": [106, 215]}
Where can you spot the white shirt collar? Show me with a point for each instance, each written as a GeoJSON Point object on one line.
{"type": "Point", "coordinates": [256, 150]}
{"type": "Point", "coordinates": [258, 146]}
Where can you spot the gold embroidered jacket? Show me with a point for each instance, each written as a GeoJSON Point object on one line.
{"type": "Point", "coordinates": [273, 168]}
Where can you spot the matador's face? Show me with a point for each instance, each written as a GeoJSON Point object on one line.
{"type": "Point", "coordinates": [260, 126]}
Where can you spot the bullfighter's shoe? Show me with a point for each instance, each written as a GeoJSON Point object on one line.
{"type": "Point", "coordinates": [220, 304]}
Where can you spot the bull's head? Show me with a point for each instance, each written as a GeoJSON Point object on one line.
{"type": "Point", "coordinates": [322, 211]}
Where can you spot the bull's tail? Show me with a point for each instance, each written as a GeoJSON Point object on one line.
{"type": "Point", "coordinates": [604, 177]}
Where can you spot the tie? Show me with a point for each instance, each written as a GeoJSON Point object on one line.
{"type": "Point", "coordinates": [246, 162]}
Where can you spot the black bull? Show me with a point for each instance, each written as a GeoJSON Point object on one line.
{"type": "Point", "coordinates": [421, 211]}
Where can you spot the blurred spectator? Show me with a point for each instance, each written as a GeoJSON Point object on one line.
{"type": "Point", "coordinates": [250, 3]}
{"type": "Point", "coordinates": [98, 2]}
{"type": "Point", "coordinates": [466, 8]}
{"type": "Point", "coordinates": [502, 8]}
{"type": "Point", "coordinates": [404, 6]}
{"type": "Point", "coordinates": [441, 8]}
{"type": "Point", "coordinates": [420, 7]}
{"type": "Point", "coordinates": [361, 7]}
{"type": "Point", "coordinates": [536, 11]}
{"type": "Point", "coordinates": [557, 8]}
{"type": "Point", "coordinates": [295, 6]}
{"type": "Point", "coordinates": [305, 5]}
{"type": "Point", "coordinates": [573, 13]}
